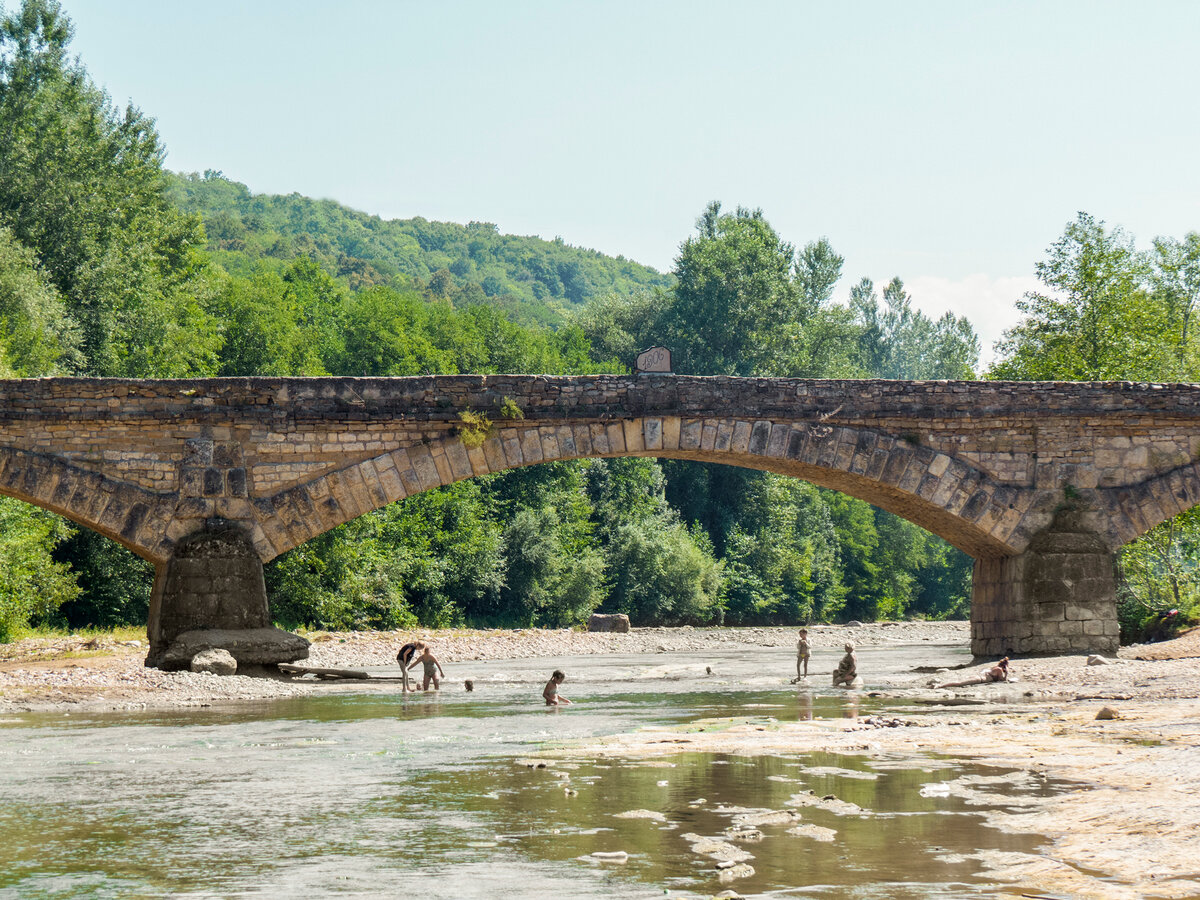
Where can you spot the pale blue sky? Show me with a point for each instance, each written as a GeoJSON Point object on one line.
{"type": "Point", "coordinates": [944, 142]}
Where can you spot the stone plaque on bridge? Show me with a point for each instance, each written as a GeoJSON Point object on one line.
{"type": "Point", "coordinates": [656, 359]}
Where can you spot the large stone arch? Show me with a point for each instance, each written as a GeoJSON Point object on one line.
{"type": "Point", "coordinates": [1040, 482]}
{"type": "Point", "coordinates": [944, 495]}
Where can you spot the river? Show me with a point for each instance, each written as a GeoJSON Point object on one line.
{"type": "Point", "coordinates": [371, 793]}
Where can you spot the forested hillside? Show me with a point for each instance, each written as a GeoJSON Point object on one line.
{"type": "Point", "coordinates": [532, 279]}
{"type": "Point", "coordinates": [111, 266]}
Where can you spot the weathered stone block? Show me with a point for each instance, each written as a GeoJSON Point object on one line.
{"type": "Point", "coordinates": [215, 661]}
{"type": "Point", "coordinates": [618, 622]}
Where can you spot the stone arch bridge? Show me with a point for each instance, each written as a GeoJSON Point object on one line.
{"type": "Point", "coordinates": [208, 479]}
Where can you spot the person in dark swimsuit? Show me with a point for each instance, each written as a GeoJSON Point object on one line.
{"type": "Point", "coordinates": [405, 657]}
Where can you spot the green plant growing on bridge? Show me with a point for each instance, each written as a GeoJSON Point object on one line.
{"type": "Point", "coordinates": [475, 428]}
{"type": "Point", "coordinates": [510, 410]}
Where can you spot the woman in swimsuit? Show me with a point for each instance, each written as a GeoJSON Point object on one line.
{"type": "Point", "coordinates": [432, 668]}
{"type": "Point", "coordinates": [405, 657]}
{"type": "Point", "coordinates": [550, 692]}
{"type": "Point", "coordinates": [998, 672]}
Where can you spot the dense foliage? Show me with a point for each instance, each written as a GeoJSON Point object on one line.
{"type": "Point", "coordinates": [530, 278]}
{"type": "Point", "coordinates": [110, 265]}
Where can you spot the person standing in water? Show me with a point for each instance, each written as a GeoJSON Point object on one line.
{"type": "Point", "coordinates": [405, 657]}
{"type": "Point", "coordinates": [847, 669]}
{"type": "Point", "coordinates": [803, 651]}
{"type": "Point", "coordinates": [432, 668]}
{"type": "Point", "coordinates": [550, 692]}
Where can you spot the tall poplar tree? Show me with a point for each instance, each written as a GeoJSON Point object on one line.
{"type": "Point", "coordinates": [82, 186]}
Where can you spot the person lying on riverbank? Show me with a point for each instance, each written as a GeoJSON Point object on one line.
{"type": "Point", "coordinates": [405, 657]}
{"type": "Point", "coordinates": [847, 669]}
{"type": "Point", "coordinates": [998, 672]}
{"type": "Point", "coordinates": [429, 661]}
{"type": "Point", "coordinates": [550, 691]}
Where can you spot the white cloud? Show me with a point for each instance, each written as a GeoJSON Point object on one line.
{"type": "Point", "coordinates": [988, 302]}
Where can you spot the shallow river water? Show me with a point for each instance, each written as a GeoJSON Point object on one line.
{"type": "Point", "coordinates": [376, 794]}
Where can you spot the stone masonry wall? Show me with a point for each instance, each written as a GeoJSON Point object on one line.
{"type": "Point", "coordinates": [179, 453]}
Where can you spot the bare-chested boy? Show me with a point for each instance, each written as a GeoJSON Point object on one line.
{"type": "Point", "coordinates": [803, 652]}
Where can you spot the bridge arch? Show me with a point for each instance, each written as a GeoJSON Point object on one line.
{"type": "Point", "coordinates": [132, 516]}
{"type": "Point", "coordinates": [944, 495]}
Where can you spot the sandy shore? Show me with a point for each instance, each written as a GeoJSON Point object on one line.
{"type": "Point", "coordinates": [1131, 829]}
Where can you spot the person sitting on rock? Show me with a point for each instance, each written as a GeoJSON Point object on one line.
{"type": "Point", "coordinates": [550, 691]}
{"type": "Point", "coordinates": [847, 669]}
{"type": "Point", "coordinates": [998, 672]}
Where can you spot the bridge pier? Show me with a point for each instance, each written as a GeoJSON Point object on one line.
{"type": "Point", "coordinates": [1059, 596]}
{"type": "Point", "coordinates": [211, 594]}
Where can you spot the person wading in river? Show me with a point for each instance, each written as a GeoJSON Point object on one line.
{"type": "Point", "coordinates": [803, 652]}
{"type": "Point", "coordinates": [405, 658]}
{"type": "Point", "coordinates": [432, 669]}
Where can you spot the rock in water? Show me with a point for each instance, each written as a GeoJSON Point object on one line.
{"type": "Point", "coordinates": [618, 622]}
{"type": "Point", "coordinates": [216, 661]}
{"type": "Point", "coordinates": [610, 856]}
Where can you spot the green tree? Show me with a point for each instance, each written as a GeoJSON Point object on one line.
{"type": "Point", "coordinates": [114, 584]}
{"type": "Point", "coordinates": [736, 308]}
{"type": "Point", "coordinates": [1097, 319]}
{"type": "Point", "coordinates": [37, 336]}
{"type": "Point", "coordinates": [1176, 285]}
{"type": "Point", "coordinates": [82, 187]}
{"type": "Point", "coordinates": [32, 585]}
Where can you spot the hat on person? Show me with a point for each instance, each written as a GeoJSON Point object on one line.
{"type": "Point", "coordinates": [849, 646]}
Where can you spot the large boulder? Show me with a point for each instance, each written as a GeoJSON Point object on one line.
{"type": "Point", "coordinates": [216, 661]}
{"type": "Point", "coordinates": [249, 646]}
{"type": "Point", "coordinates": [609, 622]}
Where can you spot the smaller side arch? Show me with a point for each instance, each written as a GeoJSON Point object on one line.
{"type": "Point", "coordinates": [1134, 510]}
{"type": "Point", "coordinates": [128, 514]}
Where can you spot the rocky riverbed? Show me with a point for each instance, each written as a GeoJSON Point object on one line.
{"type": "Point", "coordinates": [48, 673]}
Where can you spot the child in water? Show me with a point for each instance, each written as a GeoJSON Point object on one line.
{"type": "Point", "coordinates": [550, 691]}
{"type": "Point", "coordinates": [429, 661]}
{"type": "Point", "coordinates": [803, 651]}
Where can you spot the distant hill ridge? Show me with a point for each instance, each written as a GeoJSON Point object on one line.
{"type": "Point", "coordinates": [542, 277]}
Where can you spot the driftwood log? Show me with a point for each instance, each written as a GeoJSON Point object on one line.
{"type": "Point", "coordinates": [322, 673]}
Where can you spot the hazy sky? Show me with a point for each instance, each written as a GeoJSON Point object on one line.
{"type": "Point", "coordinates": [944, 142]}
